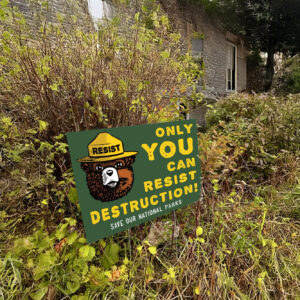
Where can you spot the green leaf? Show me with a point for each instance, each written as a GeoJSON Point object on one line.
{"type": "Point", "coordinates": [71, 221]}
{"type": "Point", "coordinates": [27, 99]}
{"type": "Point", "coordinates": [45, 262]}
{"type": "Point", "coordinates": [72, 287]}
{"type": "Point", "coordinates": [43, 125]}
{"type": "Point", "coordinates": [152, 250]}
{"type": "Point", "coordinates": [165, 54]}
{"type": "Point", "coordinates": [61, 231]}
{"type": "Point", "coordinates": [72, 238]}
{"type": "Point", "coordinates": [84, 251]}
{"type": "Point", "coordinates": [54, 87]}
{"type": "Point", "coordinates": [39, 294]}
{"type": "Point", "coordinates": [172, 273]}
{"type": "Point", "coordinates": [72, 195]}
{"type": "Point", "coordinates": [110, 256]}
{"type": "Point", "coordinates": [199, 231]}
{"type": "Point", "coordinates": [45, 201]}
{"type": "Point", "coordinates": [108, 93]}
{"type": "Point", "coordinates": [87, 252]}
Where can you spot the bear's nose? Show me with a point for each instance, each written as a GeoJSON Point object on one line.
{"type": "Point", "coordinates": [109, 172]}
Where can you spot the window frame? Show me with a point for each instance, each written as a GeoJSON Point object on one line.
{"type": "Point", "coordinates": [96, 18]}
{"type": "Point", "coordinates": [197, 53]}
{"type": "Point", "coordinates": [236, 67]}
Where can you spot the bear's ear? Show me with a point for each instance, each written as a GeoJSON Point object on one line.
{"type": "Point", "coordinates": [129, 160]}
{"type": "Point", "coordinates": [85, 166]}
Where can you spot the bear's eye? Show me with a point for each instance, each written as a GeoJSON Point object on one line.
{"type": "Point", "coordinates": [99, 168]}
{"type": "Point", "coordinates": [118, 165]}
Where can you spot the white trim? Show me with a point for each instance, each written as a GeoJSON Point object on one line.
{"type": "Point", "coordinates": [99, 10]}
{"type": "Point", "coordinates": [236, 69]}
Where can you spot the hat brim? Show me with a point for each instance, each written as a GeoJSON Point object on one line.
{"type": "Point", "coordinates": [108, 158]}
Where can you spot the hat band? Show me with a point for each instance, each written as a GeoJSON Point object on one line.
{"type": "Point", "coordinates": [106, 150]}
{"type": "Point", "coordinates": [109, 155]}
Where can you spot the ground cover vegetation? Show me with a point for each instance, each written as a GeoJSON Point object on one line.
{"type": "Point", "coordinates": [240, 241]}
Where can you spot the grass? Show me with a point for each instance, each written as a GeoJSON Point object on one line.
{"type": "Point", "coordinates": [240, 241]}
{"type": "Point", "coordinates": [230, 246]}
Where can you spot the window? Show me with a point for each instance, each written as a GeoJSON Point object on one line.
{"type": "Point", "coordinates": [99, 10]}
{"type": "Point", "coordinates": [197, 47]}
{"type": "Point", "coordinates": [231, 74]}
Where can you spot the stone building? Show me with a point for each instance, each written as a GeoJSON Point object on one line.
{"type": "Point", "coordinates": [223, 53]}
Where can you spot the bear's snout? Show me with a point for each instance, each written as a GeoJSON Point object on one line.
{"type": "Point", "coordinates": [110, 177]}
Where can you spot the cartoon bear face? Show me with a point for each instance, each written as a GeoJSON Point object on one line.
{"type": "Point", "coordinates": [110, 180]}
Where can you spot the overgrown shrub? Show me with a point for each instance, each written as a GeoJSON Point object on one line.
{"type": "Point", "coordinates": [60, 77]}
{"type": "Point", "coordinates": [287, 80]}
{"type": "Point", "coordinates": [229, 245]}
{"type": "Point", "coordinates": [67, 76]}
{"type": "Point", "coordinates": [76, 78]}
{"type": "Point", "coordinates": [262, 128]}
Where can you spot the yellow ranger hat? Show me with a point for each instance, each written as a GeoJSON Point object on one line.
{"type": "Point", "coordinates": [105, 147]}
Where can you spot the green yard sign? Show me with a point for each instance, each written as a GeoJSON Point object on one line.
{"type": "Point", "coordinates": [129, 175]}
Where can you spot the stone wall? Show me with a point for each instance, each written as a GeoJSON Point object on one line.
{"type": "Point", "coordinates": [190, 19]}
{"type": "Point", "coordinates": [54, 7]}
{"type": "Point", "coordinates": [210, 40]}
{"type": "Point", "coordinates": [187, 20]}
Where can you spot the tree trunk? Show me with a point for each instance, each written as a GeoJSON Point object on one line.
{"type": "Point", "coordinates": [269, 69]}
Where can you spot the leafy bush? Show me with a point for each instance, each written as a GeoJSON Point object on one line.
{"type": "Point", "coordinates": [265, 128]}
{"type": "Point", "coordinates": [292, 75]}
{"type": "Point", "coordinates": [65, 76]}
{"type": "Point", "coordinates": [287, 79]}
{"type": "Point", "coordinates": [68, 77]}
{"type": "Point", "coordinates": [73, 77]}
{"type": "Point", "coordinates": [229, 245]}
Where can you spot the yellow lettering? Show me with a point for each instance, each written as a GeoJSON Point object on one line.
{"type": "Point", "coordinates": [146, 204]}
{"type": "Point", "coordinates": [115, 211]}
{"type": "Point", "coordinates": [151, 200]}
{"type": "Point", "coordinates": [105, 214]}
{"type": "Point", "coordinates": [171, 166]}
{"type": "Point", "coordinates": [190, 162]}
{"type": "Point", "coordinates": [123, 205]}
{"type": "Point", "coordinates": [148, 186]}
{"type": "Point", "coordinates": [163, 147]}
{"type": "Point", "coordinates": [150, 150]}
{"type": "Point", "coordinates": [180, 165]}
{"type": "Point", "coordinates": [158, 183]}
{"type": "Point", "coordinates": [188, 189]}
{"type": "Point", "coordinates": [170, 130]}
{"type": "Point", "coordinates": [134, 205]}
{"type": "Point", "coordinates": [95, 216]}
{"type": "Point", "coordinates": [190, 146]}
{"type": "Point", "coordinates": [168, 181]}
{"type": "Point", "coordinates": [163, 196]}
{"type": "Point", "coordinates": [160, 132]}
{"type": "Point", "coordinates": [188, 127]}
{"type": "Point", "coordinates": [178, 193]}
{"type": "Point", "coordinates": [182, 177]}
{"type": "Point", "coordinates": [192, 174]}
{"type": "Point", "coordinates": [179, 132]}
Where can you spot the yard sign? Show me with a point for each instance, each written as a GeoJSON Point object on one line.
{"type": "Point", "coordinates": [129, 175]}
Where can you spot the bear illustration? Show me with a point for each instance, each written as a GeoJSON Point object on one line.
{"type": "Point", "coordinates": [110, 180]}
{"type": "Point", "coordinates": [108, 168]}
